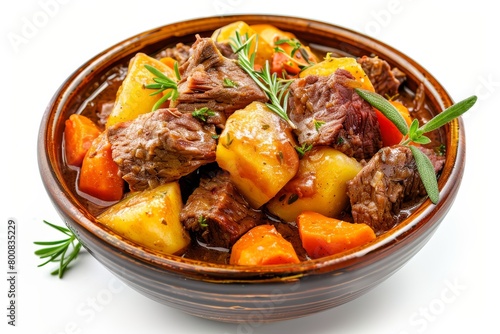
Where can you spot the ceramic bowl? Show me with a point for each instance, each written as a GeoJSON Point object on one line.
{"type": "Point", "coordinates": [261, 293]}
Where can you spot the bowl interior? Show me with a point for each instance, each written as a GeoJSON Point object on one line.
{"type": "Point", "coordinates": [86, 79]}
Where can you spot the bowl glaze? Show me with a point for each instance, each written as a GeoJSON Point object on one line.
{"type": "Point", "coordinates": [261, 293]}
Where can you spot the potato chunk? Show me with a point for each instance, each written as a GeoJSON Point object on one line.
{"type": "Point", "coordinates": [256, 147]}
{"type": "Point", "coordinates": [319, 186]}
{"type": "Point", "coordinates": [150, 218]}
{"type": "Point", "coordinates": [225, 34]}
{"type": "Point", "coordinates": [133, 98]}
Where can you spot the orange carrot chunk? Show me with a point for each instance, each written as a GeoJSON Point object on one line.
{"type": "Point", "coordinates": [323, 236]}
{"type": "Point", "coordinates": [99, 173]}
{"type": "Point", "coordinates": [79, 133]}
{"type": "Point", "coordinates": [169, 61]}
{"type": "Point", "coordinates": [263, 245]}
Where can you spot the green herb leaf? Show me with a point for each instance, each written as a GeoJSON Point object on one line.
{"type": "Point", "coordinates": [318, 124]}
{"type": "Point", "coordinates": [58, 250]}
{"type": "Point", "coordinates": [449, 114]}
{"type": "Point", "coordinates": [427, 174]}
{"type": "Point", "coordinates": [302, 150]}
{"type": "Point", "coordinates": [295, 44]}
{"type": "Point", "coordinates": [202, 221]}
{"type": "Point", "coordinates": [278, 49]}
{"type": "Point", "coordinates": [228, 83]}
{"type": "Point", "coordinates": [385, 107]}
{"type": "Point", "coordinates": [275, 88]}
{"type": "Point", "coordinates": [162, 83]}
{"type": "Point", "coordinates": [228, 142]}
{"type": "Point", "coordinates": [176, 71]}
{"type": "Point", "coordinates": [415, 133]}
{"type": "Point", "coordinates": [203, 113]}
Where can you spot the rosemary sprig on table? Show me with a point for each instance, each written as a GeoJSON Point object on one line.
{"type": "Point", "coordinates": [415, 133]}
{"type": "Point", "coordinates": [275, 88]}
{"type": "Point", "coordinates": [162, 83]}
{"type": "Point", "coordinates": [63, 251]}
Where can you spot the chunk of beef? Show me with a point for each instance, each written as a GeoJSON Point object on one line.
{"type": "Point", "coordinates": [385, 80]}
{"type": "Point", "coordinates": [327, 111]}
{"type": "Point", "coordinates": [217, 212]}
{"type": "Point", "coordinates": [160, 147]}
{"type": "Point", "coordinates": [389, 180]}
{"type": "Point", "coordinates": [180, 53]}
{"type": "Point", "coordinates": [418, 102]}
{"type": "Point", "coordinates": [226, 50]}
{"type": "Point", "coordinates": [204, 80]}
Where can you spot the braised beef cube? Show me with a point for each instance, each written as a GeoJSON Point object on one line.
{"type": "Point", "coordinates": [179, 53]}
{"type": "Point", "coordinates": [328, 111]}
{"type": "Point", "coordinates": [226, 50]}
{"type": "Point", "coordinates": [208, 79]}
{"type": "Point", "coordinates": [160, 147]}
{"type": "Point", "coordinates": [389, 180]}
{"type": "Point", "coordinates": [385, 80]}
{"type": "Point", "coordinates": [218, 213]}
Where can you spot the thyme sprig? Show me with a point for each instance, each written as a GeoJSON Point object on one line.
{"type": "Point", "coordinates": [415, 133]}
{"type": "Point", "coordinates": [275, 88]}
{"type": "Point", "coordinates": [63, 251]}
{"type": "Point", "coordinates": [302, 150]}
{"type": "Point", "coordinates": [203, 113]}
{"type": "Point", "coordinates": [162, 83]}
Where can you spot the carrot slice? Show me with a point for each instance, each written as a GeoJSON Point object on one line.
{"type": "Point", "coordinates": [323, 236]}
{"type": "Point", "coordinates": [281, 62]}
{"type": "Point", "coordinates": [79, 133]}
{"type": "Point", "coordinates": [99, 175]}
{"type": "Point", "coordinates": [263, 245]}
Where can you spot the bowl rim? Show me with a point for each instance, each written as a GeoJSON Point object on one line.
{"type": "Point", "coordinates": [403, 233]}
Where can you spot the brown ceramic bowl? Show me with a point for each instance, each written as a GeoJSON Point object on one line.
{"type": "Point", "coordinates": [261, 293]}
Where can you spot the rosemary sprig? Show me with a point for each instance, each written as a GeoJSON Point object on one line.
{"type": "Point", "coordinates": [63, 251]}
{"type": "Point", "coordinates": [162, 83]}
{"type": "Point", "coordinates": [275, 88]}
{"type": "Point", "coordinates": [415, 133]}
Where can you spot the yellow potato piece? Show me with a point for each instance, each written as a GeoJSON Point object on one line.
{"type": "Point", "coordinates": [226, 33]}
{"type": "Point", "coordinates": [150, 218]}
{"type": "Point", "coordinates": [256, 147]}
{"type": "Point", "coordinates": [270, 33]}
{"type": "Point", "coordinates": [133, 98]}
{"type": "Point", "coordinates": [331, 64]}
{"type": "Point", "coordinates": [319, 186]}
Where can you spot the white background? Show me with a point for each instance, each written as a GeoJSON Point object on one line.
{"type": "Point", "coordinates": [449, 286]}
